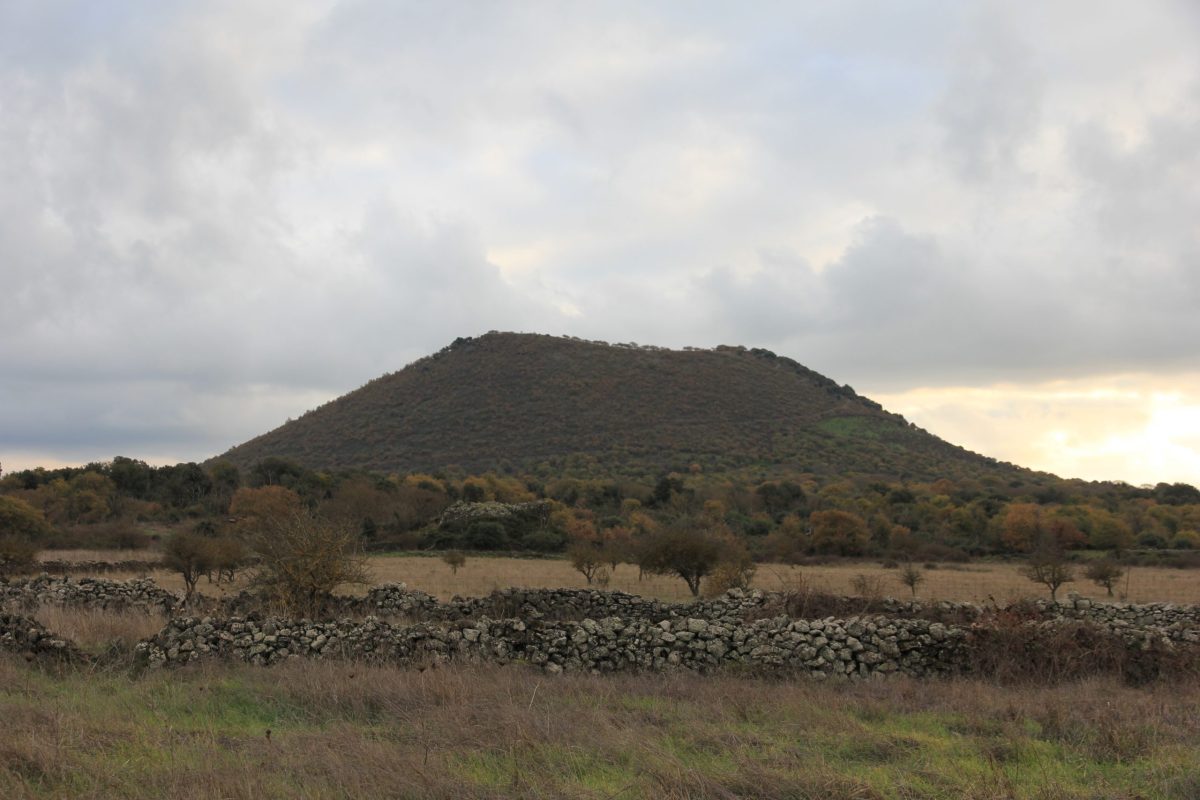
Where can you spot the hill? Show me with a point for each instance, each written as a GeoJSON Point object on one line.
{"type": "Point", "coordinates": [559, 405]}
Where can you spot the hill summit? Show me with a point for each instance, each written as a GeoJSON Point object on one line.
{"type": "Point", "coordinates": [561, 405]}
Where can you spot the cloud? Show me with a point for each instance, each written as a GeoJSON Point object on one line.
{"type": "Point", "coordinates": [213, 216]}
{"type": "Point", "coordinates": [1139, 428]}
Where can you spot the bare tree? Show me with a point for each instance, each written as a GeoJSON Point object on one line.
{"type": "Point", "coordinates": [912, 577]}
{"type": "Point", "coordinates": [586, 558]}
{"type": "Point", "coordinates": [1103, 572]}
{"type": "Point", "coordinates": [303, 558]}
{"type": "Point", "coordinates": [1048, 566]}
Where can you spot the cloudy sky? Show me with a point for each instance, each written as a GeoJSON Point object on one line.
{"type": "Point", "coordinates": [214, 216]}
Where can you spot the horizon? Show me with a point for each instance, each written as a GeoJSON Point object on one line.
{"type": "Point", "coordinates": [931, 401]}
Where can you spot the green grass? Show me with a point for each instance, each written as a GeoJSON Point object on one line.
{"type": "Point", "coordinates": [344, 730]}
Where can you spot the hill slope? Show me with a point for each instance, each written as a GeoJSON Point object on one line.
{"type": "Point", "coordinates": [559, 405]}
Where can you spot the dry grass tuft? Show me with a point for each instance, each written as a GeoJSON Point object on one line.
{"type": "Point", "coordinates": [100, 631]}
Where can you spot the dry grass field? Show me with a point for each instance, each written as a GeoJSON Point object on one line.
{"type": "Point", "coordinates": [974, 582]}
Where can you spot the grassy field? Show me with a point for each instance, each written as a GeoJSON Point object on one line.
{"type": "Point", "coordinates": [324, 730]}
{"type": "Point", "coordinates": [975, 582]}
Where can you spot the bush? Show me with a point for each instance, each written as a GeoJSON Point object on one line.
{"type": "Point", "coordinates": [1012, 649]}
{"type": "Point", "coordinates": [912, 577]}
{"type": "Point", "coordinates": [16, 553]}
{"type": "Point", "coordinates": [729, 574]}
{"type": "Point", "coordinates": [544, 540]}
{"type": "Point", "coordinates": [868, 587]}
{"type": "Point", "coordinates": [454, 559]}
{"type": "Point", "coordinates": [486, 535]}
{"type": "Point", "coordinates": [303, 558]}
{"type": "Point", "coordinates": [1103, 572]}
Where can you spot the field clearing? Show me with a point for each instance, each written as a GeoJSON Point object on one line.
{"type": "Point", "coordinates": [976, 582]}
{"type": "Point", "coordinates": [99, 555]}
{"type": "Point", "coordinates": [343, 730]}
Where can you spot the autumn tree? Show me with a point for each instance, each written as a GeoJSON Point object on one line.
{"type": "Point", "coordinates": [253, 508]}
{"type": "Point", "coordinates": [21, 528]}
{"type": "Point", "coordinates": [1021, 526]}
{"type": "Point", "coordinates": [1110, 532]}
{"type": "Point", "coordinates": [840, 532]}
{"type": "Point", "coordinates": [229, 554]}
{"type": "Point", "coordinates": [616, 545]}
{"type": "Point", "coordinates": [788, 542]}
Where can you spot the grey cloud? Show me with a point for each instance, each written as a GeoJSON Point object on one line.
{"type": "Point", "coordinates": [209, 222]}
{"type": "Point", "coordinates": [991, 103]}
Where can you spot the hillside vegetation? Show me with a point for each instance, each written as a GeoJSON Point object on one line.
{"type": "Point", "coordinates": [560, 406]}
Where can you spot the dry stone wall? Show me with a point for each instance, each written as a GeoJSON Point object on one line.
{"type": "Point", "coordinates": [585, 630]}
{"type": "Point", "coordinates": [24, 636]}
{"type": "Point", "coordinates": [822, 649]}
{"type": "Point", "coordinates": [141, 593]}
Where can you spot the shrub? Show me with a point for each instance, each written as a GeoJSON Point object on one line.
{"type": "Point", "coordinates": [454, 559]}
{"type": "Point", "coordinates": [303, 558]}
{"type": "Point", "coordinates": [868, 587]}
{"type": "Point", "coordinates": [486, 535]}
{"type": "Point", "coordinates": [912, 577]}
{"type": "Point", "coordinates": [20, 520]}
{"type": "Point", "coordinates": [729, 574]}
{"type": "Point", "coordinates": [1103, 572]}
{"type": "Point", "coordinates": [16, 553]}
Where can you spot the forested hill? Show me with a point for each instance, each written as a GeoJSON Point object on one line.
{"type": "Point", "coordinates": [554, 405]}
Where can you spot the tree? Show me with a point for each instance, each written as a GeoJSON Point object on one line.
{"type": "Point", "coordinates": [586, 558]}
{"type": "Point", "coordinates": [840, 532]}
{"type": "Point", "coordinates": [21, 520]}
{"type": "Point", "coordinates": [1022, 526]}
{"type": "Point", "coordinates": [252, 508]}
{"type": "Point", "coordinates": [788, 542]}
{"type": "Point", "coordinates": [912, 577]}
{"type": "Point", "coordinates": [1048, 565]}
{"type": "Point", "coordinates": [1110, 532]}
{"type": "Point", "coordinates": [191, 555]}
{"type": "Point", "coordinates": [21, 527]}
{"type": "Point", "coordinates": [303, 558]}
{"type": "Point", "coordinates": [689, 554]}
{"type": "Point", "coordinates": [454, 559]}
{"type": "Point", "coordinates": [616, 545]}
{"type": "Point", "coordinates": [228, 556]}
{"type": "Point", "coordinates": [1103, 572]}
